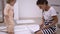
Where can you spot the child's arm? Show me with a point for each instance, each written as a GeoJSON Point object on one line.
{"type": "Point", "coordinates": [6, 11]}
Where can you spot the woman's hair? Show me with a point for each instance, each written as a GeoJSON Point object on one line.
{"type": "Point", "coordinates": [42, 2]}
{"type": "Point", "coordinates": [9, 1]}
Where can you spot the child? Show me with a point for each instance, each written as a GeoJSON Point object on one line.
{"type": "Point", "coordinates": [9, 16]}
{"type": "Point", "coordinates": [49, 18]}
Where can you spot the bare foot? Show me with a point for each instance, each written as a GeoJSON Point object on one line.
{"type": "Point", "coordinates": [5, 31]}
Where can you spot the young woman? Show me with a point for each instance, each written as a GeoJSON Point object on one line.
{"type": "Point", "coordinates": [49, 18]}
{"type": "Point", "coordinates": [9, 16]}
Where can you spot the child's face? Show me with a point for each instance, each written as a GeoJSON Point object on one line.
{"type": "Point", "coordinates": [12, 3]}
{"type": "Point", "coordinates": [42, 6]}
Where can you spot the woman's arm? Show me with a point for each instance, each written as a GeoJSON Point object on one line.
{"type": "Point", "coordinates": [42, 23]}
{"type": "Point", "coordinates": [55, 21]}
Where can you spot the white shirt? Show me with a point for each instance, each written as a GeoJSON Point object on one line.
{"type": "Point", "coordinates": [48, 14]}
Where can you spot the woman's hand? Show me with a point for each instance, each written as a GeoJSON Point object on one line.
{"type": "Point", "coordinates": [41, 26]}
{"type": "Point", "coordinates": [45, 27]}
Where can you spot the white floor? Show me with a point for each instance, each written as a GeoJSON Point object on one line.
{"type": "Point", "coordinates": [24, 29]}
{"type": "Point", "coordinates": [3, 33]}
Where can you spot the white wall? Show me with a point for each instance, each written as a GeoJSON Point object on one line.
{"type": "Point", "coordinates": [57, 8]}
{"type": "Point", "coordinates": [28, 9]}
{"type": "Point", "coordinates": [16, 12]}
{"type": "Point", "coordinates": [54, 2]}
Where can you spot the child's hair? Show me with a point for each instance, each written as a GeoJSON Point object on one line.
{"type": "Point", "coordinates": [9, 1]}
{"type": "Point", "coordinates": [42, 2]}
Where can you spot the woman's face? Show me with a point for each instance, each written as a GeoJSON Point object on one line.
{"type": "Point", "coordinates": [42, 6]}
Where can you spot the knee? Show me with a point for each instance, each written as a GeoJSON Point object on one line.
{"type": "Point", "coordinates": [39, 32]}
{"type": "Point", "coordinates": [54, 33]}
